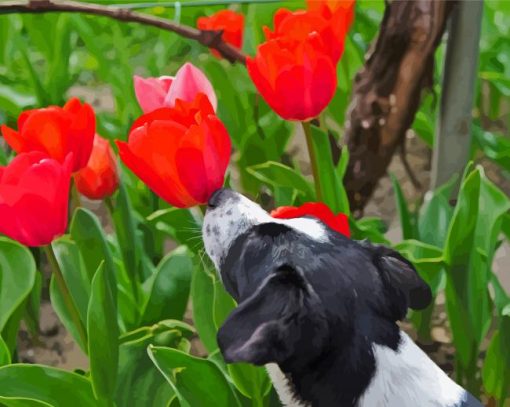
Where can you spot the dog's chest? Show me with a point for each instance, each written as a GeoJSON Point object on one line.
{"type": "Point", "coordinates": [406, 378]}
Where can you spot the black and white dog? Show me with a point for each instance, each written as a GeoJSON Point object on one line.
{"type": "Point", "coordinates": [321, 311]}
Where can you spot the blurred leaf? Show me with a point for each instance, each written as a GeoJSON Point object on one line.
{"type": "Point", "coordinates": [202, 297]}
{"type": "Point", "coordinates": [435, 214]}
{"type": "Point", "coordinates": [103, 333]}
{"type": "Point", "coordinates": [407, 220]}
{"type": "Point", "coordinates": [223, 304]}
{"type": "Point", "coordinates": [17, 277]}
{"type": "Point", "coordinates": [369, 228]}
{"type": "Point", "coordinates": [179, 224]}
{"type": "Point", "coordinates": [5, 355]}
{"type": "Point", "coordinates": [494, 146]}
{"type": "Point", "coordinates": [496, 367]}
{"type": "Point", "coordinates": [279, 175]}
{"type": "Point", "coordinates": [45, 384]}
{"type": "Point", "coordinates": [168, 289]}
{"type": "Point", "coordinates": [14, 101]}
{"type": "Point", "coordinates": [182, 370]}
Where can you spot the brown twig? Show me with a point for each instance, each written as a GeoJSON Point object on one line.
{"type": "Point", "coordinates": [211, 39]}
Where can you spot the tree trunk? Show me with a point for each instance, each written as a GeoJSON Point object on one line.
{"type": "Point", "coordinates": [387, 91]}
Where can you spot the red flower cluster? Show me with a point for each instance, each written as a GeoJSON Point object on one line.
{"type": "Point", "coordinates": [52, 143]}
{"type": "Point", "coordinates": [228, 21]}
{"type": "Point", "coordinates": [319, 210]}
{"type": "Point", "coordinates": [55, 131]}
{"type": "Point", "coordinates": [181, 153]}
{"type": "Point", "coordinates": [295, 69]}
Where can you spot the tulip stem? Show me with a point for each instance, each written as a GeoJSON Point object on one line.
{"type": "Point", "coordinates": [313, 159]}
{"type": "Point", "coordinates": [75, 196]}
{"type": "Point", "coordinates": [66, 294]}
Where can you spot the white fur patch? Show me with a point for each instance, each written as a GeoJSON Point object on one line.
{"type": "Point", "coordinates": [281, 385]}
{"type": "Point", "coordinates": [225, 223]}
{"type": "Point", "coordinates": [409, 378]}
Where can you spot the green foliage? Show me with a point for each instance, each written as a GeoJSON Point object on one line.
{"type": "Point", "coordinates": [134, 282]}
{"type": "Point", "coordinates": [103, 333]}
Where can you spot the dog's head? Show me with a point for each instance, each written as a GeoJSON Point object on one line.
{"type": "Point", "coordinates": [301, 286]}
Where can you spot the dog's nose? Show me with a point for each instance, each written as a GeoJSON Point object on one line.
{"type": "Point", "coordinates": [220, 196]}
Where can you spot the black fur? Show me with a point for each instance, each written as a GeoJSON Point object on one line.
{"type": "Point", "coordinates": [316, 308]}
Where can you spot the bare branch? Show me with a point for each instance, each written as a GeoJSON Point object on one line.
{"type": "Point", "coordinates": [210, 39]}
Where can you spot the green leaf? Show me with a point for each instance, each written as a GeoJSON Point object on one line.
{"type": "Point", "coordinates": [139, 383]}
{"type": "Point", "coordinates": [469, 250]}
{"type": "Point", "coordinates": [223, 304]}
{"type": "Point", "coordinates": [169, 287]}
{"type": "Point", "coordinates": [202, 298]}
{"type": "Point", "coordinates": [88, 234]}
{"type": "Point", "coordinates": [252, 381]}
{"type": "Point", "coordinates": [435, 214]}
{"type": "Point", "coordinates": [496, 367]}
{"type": "Point", "coordinates": [103, 335]}
{"type": "Point", "coordinates": [182, 371]}
{"type": "Point", "coordinates": [17, 277]}
{"type": "Point", "coordinates": [330, 185]}
{"type": "Point", "coordinates": [125, 226]}
{"type": "Point", "coordinates": [32, 311]}
{"type": "Point", "coordinates": [179, 224]}
{"type": "Point", "coordinates": [45, 384]}
{"type": "Point", "coordinates": [427, 259]}
{"type": "Point", "coordinates": [22, 402]}
{"type": "Point", "coordinates": [5, 355]}
{"type": "Point", "coordinates": [406, 218]}
{"type": "Point", "coordinates": [75, 274]}
{"type": "Point", "coordinates": [279, 175]}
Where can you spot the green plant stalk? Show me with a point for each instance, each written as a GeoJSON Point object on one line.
{"type": "Point", "coordinates": [111, 208]}
{"type": "Point", "coordinates": [75, 196]}
{"type": "Point", "coordinates": [421, 321]}
{"type": "Point", "coordinates": [68, 300]}
{"type": "Point", "coordinates": [313, 159]}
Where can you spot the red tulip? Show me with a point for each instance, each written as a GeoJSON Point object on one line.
{"type": "Point", "coordinates": [339, 12]}
{"type": "Point", "coordinates": [295, 77]}
{"type": "Point", "coordinates": [319, 210]}
{"type": "Point", "coordinates": [154, 93]}
{"type": "Point", "coordinates": [34, 192]}
{"type": "Point", "coordinates": [99, 178]}
{"type": "Point", "coordinates": [55, 131]}
{"type": "Point", "coordinates": [299, 24]}
{"type": "Point", "coordinates": [181, 153]}
{"type": "Point", "coordinates": [228, 21]}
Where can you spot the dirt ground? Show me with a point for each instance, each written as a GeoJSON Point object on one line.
{"type": "Point", "coordinates": [55, 347]}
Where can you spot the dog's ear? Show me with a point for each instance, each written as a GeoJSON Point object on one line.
{"type": "Point", "coordinates": [404, 286]}
{"type": "Point", "coordinates": [283, 316]}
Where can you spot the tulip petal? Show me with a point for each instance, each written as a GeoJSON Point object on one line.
{"type": "Point", "coordinates": [189, 81]}
{"type": "Point", "coordinates": [13, 138]}
{"type": "Point", "coordinates": [81, 131]}
{"type": "Point", "coordinates": [151, 92]}
{"type": "Point", "coordinates": [34, 205]}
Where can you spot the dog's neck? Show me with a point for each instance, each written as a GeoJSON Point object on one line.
{"type": "Point", "coordinates": [371, 376]}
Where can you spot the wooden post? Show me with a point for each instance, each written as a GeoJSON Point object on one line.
{"type": "Point", "coordinates": [453, 132]}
